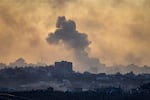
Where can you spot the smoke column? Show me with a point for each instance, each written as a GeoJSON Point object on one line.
{"type": "Point", "coordinates": [67, 34]}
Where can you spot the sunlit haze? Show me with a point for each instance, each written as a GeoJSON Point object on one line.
{"type": "Point", "coordinates": [117, 30]}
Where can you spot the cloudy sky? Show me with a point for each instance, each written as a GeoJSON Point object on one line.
{"type": "Point", "coordinates": [117, 29]}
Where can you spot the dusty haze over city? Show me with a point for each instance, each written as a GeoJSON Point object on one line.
{"type": "Point", "coordinates": [114, 31]}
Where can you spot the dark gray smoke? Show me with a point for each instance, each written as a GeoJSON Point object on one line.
{"type": "Point", "coordinates": [67, 34]}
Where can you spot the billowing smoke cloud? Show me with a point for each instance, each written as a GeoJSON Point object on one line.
{"type": "Point", "coordinates": [66, 31]}
{"type": "Point", "coordinates": [67, 34]}
{"type": "Point", "coordinates": [119, 30]}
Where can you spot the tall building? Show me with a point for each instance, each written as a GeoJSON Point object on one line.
{"type": "Point", "coordinates": [63, 67]}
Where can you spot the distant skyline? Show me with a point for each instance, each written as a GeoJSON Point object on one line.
{"type": "Point", "coordinates": [118, 30]}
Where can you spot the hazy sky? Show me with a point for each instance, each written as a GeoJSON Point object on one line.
{"type": "Point", "coordinates": [119, 30]}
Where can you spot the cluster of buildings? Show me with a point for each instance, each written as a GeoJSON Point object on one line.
{"type": "Point", "coordinates": [61, 77]}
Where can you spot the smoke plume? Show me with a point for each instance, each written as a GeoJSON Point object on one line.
{"type": "Point", "coordinates": [67, 34]}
